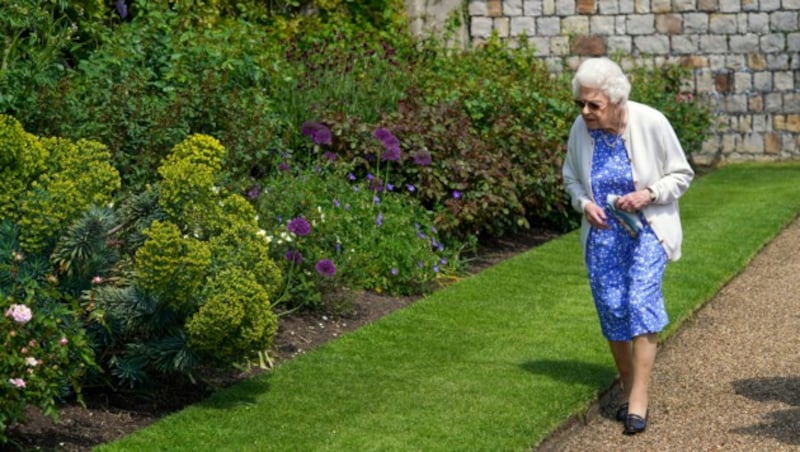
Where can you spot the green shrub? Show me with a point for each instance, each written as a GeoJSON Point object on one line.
{"type": "Point", "coordinates": [235, 316]}
{"type": "Point", "coordinates": [184, 234]}
{"type": "Point", "coordinates": [47, 183]}
{"type": "Point", "coordinates": [155, 80]}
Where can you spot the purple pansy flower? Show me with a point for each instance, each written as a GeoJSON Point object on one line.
{"type": "Point", "coordinates": [326, 267]}
{"type": "Point", "coordinates": [299, 226]}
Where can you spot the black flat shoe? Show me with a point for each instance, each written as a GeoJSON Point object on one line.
{"type": "Point", "coordinates": [634, 424]}
{"type": "Point", "coordinates": [622, 412]}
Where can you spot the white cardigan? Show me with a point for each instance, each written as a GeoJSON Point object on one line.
{"type": "Point", "coordinates": [658, 163]}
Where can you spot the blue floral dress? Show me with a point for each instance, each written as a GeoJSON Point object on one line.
{"type": "Point", "coordinates": [625, 273]}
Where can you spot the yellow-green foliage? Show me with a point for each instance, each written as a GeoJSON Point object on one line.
{"type": "Point", "coordinates": [238, 245]}
{"type": "Point", "coordinates": [22, 160]}
{"type": "Point", "coordinates": [172, 266]}
{"type": "Point", "coordinates": [46, 183]}
{"type": "Point", "coordinates": [208, 259]}
{"type": "Point", "coordinates": [235, 318]}
{"type": "Point", "coordinates": [187, 189]}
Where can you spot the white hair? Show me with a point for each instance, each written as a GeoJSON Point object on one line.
{"type": "Point", "coordinates": [603, 74]}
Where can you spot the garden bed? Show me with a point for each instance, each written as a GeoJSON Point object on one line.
{"type": "Point", "coordinates": [111, 415]}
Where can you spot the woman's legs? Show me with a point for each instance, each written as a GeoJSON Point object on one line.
{"type": "Point", "coordinates": [635, 360]}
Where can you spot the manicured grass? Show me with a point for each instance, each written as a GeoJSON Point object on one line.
{"type": "Point", "coordinates": [494, 362]}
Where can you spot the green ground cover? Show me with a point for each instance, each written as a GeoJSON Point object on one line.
{"type": "Point", "coordinates": [493, 362]}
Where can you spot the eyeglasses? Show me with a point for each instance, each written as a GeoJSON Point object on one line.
{"type": "Point", "coordinates": [593, 106]}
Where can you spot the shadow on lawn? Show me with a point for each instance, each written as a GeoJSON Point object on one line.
{"type": "Point", "coordinates": [570, 371]}
{"type": "Point", "coordinates": [245, 392]}
{"type": "Point", "coordinates": [779, 424]}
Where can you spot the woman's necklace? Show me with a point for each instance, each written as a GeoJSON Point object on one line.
{"type": "Point", "coordinates": [614, 136]}
{"type": "Point", "coordinates": [610, 139]}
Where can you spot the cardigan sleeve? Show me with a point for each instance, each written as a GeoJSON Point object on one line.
{"type": "Point", "coordinates": [676, 172]}
{"type": "Point", "coordinates": [572, 170]}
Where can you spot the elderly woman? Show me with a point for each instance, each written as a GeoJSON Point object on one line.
{"type": "Point", "coordinates": [624, 171]}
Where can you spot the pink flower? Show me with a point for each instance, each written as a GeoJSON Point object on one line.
{"type": "Point", "coordinates": [31, 361]}
{"type": "Point", "coordinates": [20, 313]}
{"type": "Point", "coordinates": [97, 280]}
{"type": "Point", "coordinates": [17, 382]}
{"type": "Point", "coordinates": [63, 341]}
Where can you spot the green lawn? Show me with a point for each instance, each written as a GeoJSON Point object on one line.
{"type": "Point", "coordinates": [494, 362]}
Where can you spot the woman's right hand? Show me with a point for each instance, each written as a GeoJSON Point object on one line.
{"type": "Point", "coordinates": [596, 215]}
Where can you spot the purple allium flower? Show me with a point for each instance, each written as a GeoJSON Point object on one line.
{"type": "Point", "coordinates": [20, 313]}
{"type": "Point", "coordinates": [392, 143]}
{"type": "Point", "coordinates": [389, 141]}
{"type": "Point", "coordinates": [379, 219]}
{"type": "Point", "coordinates": [283, 166]}
{"type": "Point", "coordinates": [253, 192]}
{"type": "Point", "coordinates": [456, 194]}
{"type": "Point", "coordinates": [299, 226]}
{"type": "Point", "coordinates": [325, 267]}
{"type": "Point", "coordinates": [382, 133]}
{"type": "Point", "coordinates": [294, 257]}
{"type": "Point", "coordinates": [423, 158]}
{"type": "Point", "coordinates": [122, 9]}
{"type": "Point", "coordinates": [330, 156]}
{"type": "Point", "coordinates": [391, 154]}
{"type": "Point", "coordinates": [318, 132]}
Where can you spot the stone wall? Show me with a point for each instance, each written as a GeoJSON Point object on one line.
{"type": "Point", "coordinates": [745, 56]}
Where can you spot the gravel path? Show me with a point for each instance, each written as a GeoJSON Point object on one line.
{"type": "Point", "coordinates": [729, 379]}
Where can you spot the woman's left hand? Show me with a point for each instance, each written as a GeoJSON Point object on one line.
{"type": "Point", "coordinates": [634, 201]}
